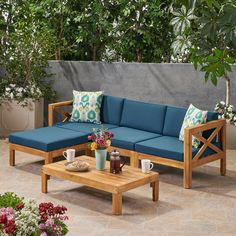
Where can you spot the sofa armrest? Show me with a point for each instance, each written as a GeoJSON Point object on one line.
{"type": "Point", "coordinates": [218, 127]}
{"type": "Point", "coordinates": [207, 126]}
{"type": "Point", "coordinates": [53, 107]}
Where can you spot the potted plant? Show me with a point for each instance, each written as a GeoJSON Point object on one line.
{"type": "Point", "coordinates": [24, 53]}
{"type": "Point", "coordinates": [100, 140]}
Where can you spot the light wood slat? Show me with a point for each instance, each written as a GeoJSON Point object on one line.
{"type": "Point", "coordinates": [52, 107]}
{"type": "Point", "coordinates": [206, 143]}
{"type": "Point", "coordinates": [62, 112]}
{"type": "Point", "coordinates": [48, 156]}
{"type": "Point", "coordinates": [207, 126]}
{"type": "Point", "coordinates": [211, 145]}
{"type": "Point", "coordinates": [125, 152]}
{"type": "Point", "coordinates": [62, 104]}
{"type": "Point", "coordinates": [161, 160]}
{"type": "Point", "coordinates": [27, 150]}
{"type": "Point", "coordinates": [207, 159]}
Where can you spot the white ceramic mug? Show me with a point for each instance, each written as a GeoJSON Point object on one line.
{"type": "Point", "coordinates": [69, 154]}
{"type": "Point", "coordinates": [146, 165]}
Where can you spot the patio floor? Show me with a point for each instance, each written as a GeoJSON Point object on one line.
{"type": "Point", "coordinates": [209, 209]}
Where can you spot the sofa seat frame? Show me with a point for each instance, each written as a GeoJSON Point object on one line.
{"type": "Point", "coordinates": [187, 165]}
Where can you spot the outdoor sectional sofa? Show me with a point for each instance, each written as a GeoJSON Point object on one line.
{"type": "Point", "coordinates": [141, 130]}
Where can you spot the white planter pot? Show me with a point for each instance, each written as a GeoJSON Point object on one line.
{"type": "Point", "coordinates": [230, 136]}
{"type": "Point", "coordinates": [14, 117]}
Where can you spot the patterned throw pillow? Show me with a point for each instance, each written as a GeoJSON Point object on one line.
{"type": "Point", "coordinates": [193, 117]}
{"type": "Point", "coordinates": [86, 106]}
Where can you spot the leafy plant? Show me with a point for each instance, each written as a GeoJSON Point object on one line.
{"type": "Point", "coordinates": [9, 199]}
{"type": "Point", "coordinates": [25, 49]}
{"type": "Point", "coordinates": [206, 35]}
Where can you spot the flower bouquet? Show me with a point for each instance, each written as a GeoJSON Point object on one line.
{"type": "Point", "coordinates": [25, 218]}
{"type": "Point", "coordinates": [100, 140]}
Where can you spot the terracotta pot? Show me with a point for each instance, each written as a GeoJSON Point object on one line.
{"type": "Point", "coordinates": [230, 136]}
{"type": "Point", "coordinates": [14, 117]}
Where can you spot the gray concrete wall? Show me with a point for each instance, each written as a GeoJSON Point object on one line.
{"type": "Point", "coordinates": [175, 84]}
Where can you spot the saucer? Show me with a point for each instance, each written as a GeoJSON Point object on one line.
{"type": "Point", "coordinates": [78, 166]}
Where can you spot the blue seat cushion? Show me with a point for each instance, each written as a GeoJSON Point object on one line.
{"type": "Point", "coordinates": [48, 138]}
{"type": "Point", "coordinates": [143, 116]}
{"type": "Point", "coordinates": [82, 127]}
{"type": "Point", "coordinates": [167, 147]}
{"type": "Point", "coordinates": [111, 109]}
{"type": "Point", "coordinates": [127, 137]}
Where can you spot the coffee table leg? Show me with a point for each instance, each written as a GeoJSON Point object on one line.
{"type": "Point", "coordinates": [44, 183]}
{"type": "Point", "coordinates": [117, 203]}
{"type": "Point", "coordinates": [155, 191]}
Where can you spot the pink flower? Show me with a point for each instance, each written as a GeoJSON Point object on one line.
{"type": "Point", "coordinates": [109, 134]}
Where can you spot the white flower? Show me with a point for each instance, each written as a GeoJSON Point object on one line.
{"type": "Point", "coordinates": [222, 103]}
{"type": "Point", "coordinates": [11, 95]}
{"type": "Point", "coordinates": [20, 89]}
{"type": "Point", "coordinates": [7, 89]}
{"type": "Point", "coordinates": [19, 94]}
{"type": "Point", "coordinates": [12, 85]}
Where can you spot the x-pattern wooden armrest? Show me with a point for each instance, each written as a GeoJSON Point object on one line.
{"type": "Point", "coordinates": [55, 107]}
{"type": "Point", "coordinates": [207, 126]}
{"type": "Point", "coordinates": [217, 125]}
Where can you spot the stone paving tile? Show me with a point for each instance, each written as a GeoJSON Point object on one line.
{"type": "Point", "coordinates": [209, 209]}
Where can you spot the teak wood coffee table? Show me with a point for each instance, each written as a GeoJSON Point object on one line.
{"type": "Point", "coordinates": [116, 184]}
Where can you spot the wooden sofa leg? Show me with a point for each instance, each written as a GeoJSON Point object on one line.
{"type": "Point", "coordinates": [48, 158]}
{"type": "Point", "coordinates": [11, 156]}
{"type": "Point", "coordinates": [223, 142]}
{"type": "Point", "coordinates": [187, 178]}
{"type": "Point", "coordinates": [187, 159]}
{"type": "Point", "coordinates": [133, 159]}
{"type": "Point", "coordinates": [223, 166]}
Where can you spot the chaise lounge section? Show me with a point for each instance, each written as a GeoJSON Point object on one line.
{"type": "Point", "coordinates": [141, 130]}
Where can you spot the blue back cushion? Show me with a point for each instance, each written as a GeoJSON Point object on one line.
{"type": "Point", "coordinates": [210, 117]}
{"type": "Point", "coordinates": [111, 109]}
{"type": "Point", "coordinates": [173, 120]}
{"type": "Point", "coordinates": [144, 116]}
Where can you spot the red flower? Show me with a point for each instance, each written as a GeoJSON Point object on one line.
{"type": "Point", "coordinates": [20, 206]}
{"type": "Point", "coordinates": [3, 219]}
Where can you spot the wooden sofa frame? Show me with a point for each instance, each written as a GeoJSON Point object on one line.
{"type": "Point", "coordinates": [218, 127]}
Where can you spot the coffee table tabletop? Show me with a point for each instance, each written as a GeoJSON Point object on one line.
{"type": "Point", "coordinates": [116, 184]}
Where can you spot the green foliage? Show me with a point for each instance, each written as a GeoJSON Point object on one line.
{"type": "Point", "coordinates": [63, 227]}
{"type": "Point", "coordinates": [112, 30]}
{"type": "Point", "coordinates": [142, 31]}
{"type": "Point", "coordinates": [25, 50]}
{"type": "Point", "coordinates": [215, 65]}
{"type": "Point", "coordinates": [206, 32]}
{"type": "Point", "coordinates": [10, 200]}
